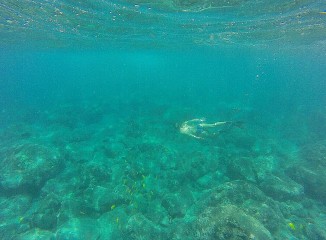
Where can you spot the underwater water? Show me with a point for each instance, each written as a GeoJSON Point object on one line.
{"type": "Point", "coordinates": [96, 103]}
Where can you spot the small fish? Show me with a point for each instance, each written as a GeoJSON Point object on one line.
{"type": "Point", "coordinates": [323, 12]}
{"type": "Point", "coordinates": [112, 207]}
{"type": "Point", "coordinates": [291, 225]}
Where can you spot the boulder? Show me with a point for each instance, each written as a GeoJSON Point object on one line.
{"type": "Point", "coordinates": [139, 227]}
{"type": "Point", "coordinates": [310, 171]}
{"type": "Point", "coordinates": [230, 223]}
{"type": "Point", "coordinates": [79, 228]}
{"type": "Point", "coordinates": [249, 199]}
{"type": "Point", "coordinates": [25, 168]}
{"type": "Point", "coordinates": [282, 188]}
{"type": "Point", "coordinates": [36, 234]}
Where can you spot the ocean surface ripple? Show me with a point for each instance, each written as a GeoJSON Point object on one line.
{"type": "Point", "coordinates": [161, 23]}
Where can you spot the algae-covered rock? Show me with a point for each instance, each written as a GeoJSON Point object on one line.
{"type": "Point", "coordinates": [183, 229]}
{"type": "Point", "coordinates": [139, 227]}
{"type": "Point", "coordinates": [79, 228]}
{"type": "Point", "coordinates": [313, 179]}
{"type": "Point", "coordinates": [210, 180]}
{"type": "Point", "coordinates": [12, 215]}
{"type": "Point", "coordinates": [26, 167]}
{"type": "Point", "coordinates": [264, 166]}
{"type": "Point", "coordinates": [13, 206]}
{"type": "Point", "coordinates": [315, 154]}
{"type": "Point", "coordinates": [37, 234]}
{"type": "Point", "coordinates": [113, 224]}
{"type": "Point", "coordinates": [310, 171]}
{"type": "Point", "coordinates": [282, 188]}
{"type": "Point", "coordinates": [46, 213]}
{"type": "Point", "coordinates": [101, 199]}
{"type": "Point", "coordinates": [229, 222]}
{"type": "Point", "coordinates": [315, 231]}
{"type": "Point", "coordinates": [174, 205]}
{"type": "Point", "coordinates": [241, 168]}
{"type": "Point", "coordinates": [249, 199]}
{"type": "Point", "coordinates": [236, 192]}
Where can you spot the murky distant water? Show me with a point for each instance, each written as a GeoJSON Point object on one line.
{"type": "Point", "coordinates": [270, 79]}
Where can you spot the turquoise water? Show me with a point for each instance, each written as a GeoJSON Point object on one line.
{"type": "Point", "coordinates": [94, 98]}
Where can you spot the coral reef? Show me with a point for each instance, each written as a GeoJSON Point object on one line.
{"type": "Point", "coordinates": [112, 175]}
